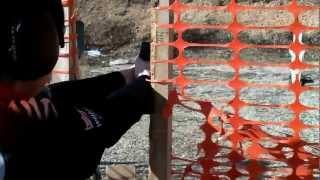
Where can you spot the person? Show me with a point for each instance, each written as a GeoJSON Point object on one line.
{"type": "Point", "coordinates": [59, 131]}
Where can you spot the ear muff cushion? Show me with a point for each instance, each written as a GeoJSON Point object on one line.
{"type": "Point", "coordinates": [33, 37]}
{"type": "Point", "coordinates": [37, 48]}
{"type": "Point", "coordinates": [56, 11]}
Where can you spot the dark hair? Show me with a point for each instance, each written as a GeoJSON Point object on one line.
{"type": "Point", "coordinates": [34, 31]}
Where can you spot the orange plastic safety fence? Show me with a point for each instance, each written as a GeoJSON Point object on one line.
{"type": "Point", "coordinates": [235, 143]}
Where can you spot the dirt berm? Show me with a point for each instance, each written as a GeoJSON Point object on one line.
{"type": "Point", "coordinates": [116, 27]}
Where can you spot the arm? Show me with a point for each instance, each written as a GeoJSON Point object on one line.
{"type": "Point", "coordinates": [119, 105]}
{"type": "Point", "coordinates": [87, 92]}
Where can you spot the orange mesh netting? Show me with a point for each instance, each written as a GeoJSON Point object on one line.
{"type": "Point", "coordinates": [251, 121]}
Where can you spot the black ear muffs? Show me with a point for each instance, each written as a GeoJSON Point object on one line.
{"type": "Point", "coordinates": [33, 39]}
{"type": "Point", "coordinates": [55, 8]}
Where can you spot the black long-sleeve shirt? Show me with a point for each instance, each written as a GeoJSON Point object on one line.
{"type": "Point", "coordinates": [62, 133]}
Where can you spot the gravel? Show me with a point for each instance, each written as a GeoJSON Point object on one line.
{"type": "Point", "coordinates": [133, 146]}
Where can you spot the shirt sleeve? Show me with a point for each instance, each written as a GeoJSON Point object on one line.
{"type": "Point", "coordinates": [90, 92]}
{"type": "Point", "coordinates": [2, 167]}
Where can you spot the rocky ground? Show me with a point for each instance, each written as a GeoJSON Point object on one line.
{"type": "Point", "coordinates": [117, 27]}
{"type": "Point", "coordinates": [133, 147]}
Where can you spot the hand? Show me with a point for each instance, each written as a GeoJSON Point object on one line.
{"type": "Point", "coordinates": [142, 63]}
{"type": "Point", "coordinates": [142, 68]}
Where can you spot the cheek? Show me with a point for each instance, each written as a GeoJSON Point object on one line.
{"type": "Point", "coordinates": [48, 79]}
{"type": "Point", "coordinates": [40, 84]}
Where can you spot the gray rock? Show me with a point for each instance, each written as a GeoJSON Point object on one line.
{"type": "Point", "coordinates": [119, 62]}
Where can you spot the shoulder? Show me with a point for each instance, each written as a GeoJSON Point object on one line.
{"type": "Point", "coordinates": [40, 107]}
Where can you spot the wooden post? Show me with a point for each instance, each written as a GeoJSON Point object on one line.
{"type": "Point", "coordinates": [74, 66]}
{"type": "Point", "coordinates": [120, 172]}
{"type": "Point", "coordinates": [160, 128]}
